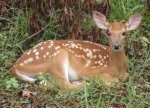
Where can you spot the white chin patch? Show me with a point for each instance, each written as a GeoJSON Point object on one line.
{"type": "Point", "coordinates": [25, 77]}
{"type": "Point", "coordinates": [116, 50]}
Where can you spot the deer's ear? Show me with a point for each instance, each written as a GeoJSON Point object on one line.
{"type": "Point", "coordinates": [134, 21]}
{"type": "Point", "coordinates": [100, 20]}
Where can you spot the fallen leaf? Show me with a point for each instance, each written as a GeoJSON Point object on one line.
{"type": "Point", "coordinates": [66, 10]}
{"type": "Point", "coordinates": [26, 93]}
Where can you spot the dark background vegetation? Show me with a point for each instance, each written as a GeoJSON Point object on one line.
{"type": "Point", "coordinates": [24, 23]}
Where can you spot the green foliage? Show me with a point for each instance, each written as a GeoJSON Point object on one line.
{"type": "Point", "coordinates": [122, 9]}
{"type": "Point", "coordinates": [43, 78]}
{"type": "Point", "coordinates": [87, 22]}
{"type": "Point", "coordinates": [12, 83]}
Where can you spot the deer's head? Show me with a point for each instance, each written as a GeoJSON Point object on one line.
{"type": "Point", "coordinates": [116, 30]}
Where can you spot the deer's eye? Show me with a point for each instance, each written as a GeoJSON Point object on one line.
{"type": "Point", "coordinates": [124, 33]}
{"type": "Point", "coordinates": [108, 32]}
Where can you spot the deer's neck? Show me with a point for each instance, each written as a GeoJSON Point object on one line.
{"type": "Point", "coordinates": [118, 63]}
{"type": "Point", "coordinates": [117, 58]}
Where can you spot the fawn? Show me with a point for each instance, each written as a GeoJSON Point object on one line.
{"type": "Point", "coordinates": [69, 60]}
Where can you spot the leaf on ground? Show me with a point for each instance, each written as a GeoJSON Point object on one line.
{"type": "Point", "coordinates": [26, 93]}
{"type": "Point", "coordinates": [66, 10]}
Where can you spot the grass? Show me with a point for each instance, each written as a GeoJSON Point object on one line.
{"type": "Point", "coordinates": [134, 93]}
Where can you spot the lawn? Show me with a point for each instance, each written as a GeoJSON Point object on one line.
{"type": "Point", "coordinates": [133, 93]}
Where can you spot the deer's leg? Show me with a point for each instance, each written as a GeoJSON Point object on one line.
{"type": "Point", "coordinates": [62, 70]}
{"type": "Point", "coordinates": [62, 84]}
{"type": "Point", "coordinates": [97, 75]}
{"type": "Point", "coordinates": [63, 81]}
{"type": "Point", "coordinates": [123, 76]}
{"type": "Point", "coordinates": [29, 72]}
{"type": "Point", "coordinates": [66, 85]}
{"type": "Point", "coordinates": [108, 79]}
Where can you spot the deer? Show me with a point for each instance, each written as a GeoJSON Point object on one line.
{"type": "Point", "coordinates": [68, 61]}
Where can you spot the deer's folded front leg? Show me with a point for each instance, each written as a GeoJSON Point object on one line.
{"type": "Point", "coordinates": [96, 74]}
{"type": "Point", "coordinates": [123, 76]}
{"type": "Point", "coordinates": [62, 72]}
{"type": "Point", "coordinates": [64, 82]}
{"type": "Point", "coordinates": [66, 85]}
{"type": "Point", "coordinates": [108, 79]}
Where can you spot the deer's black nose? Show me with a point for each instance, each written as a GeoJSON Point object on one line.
{"type": "Point", "coordinates": [116, 46]}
